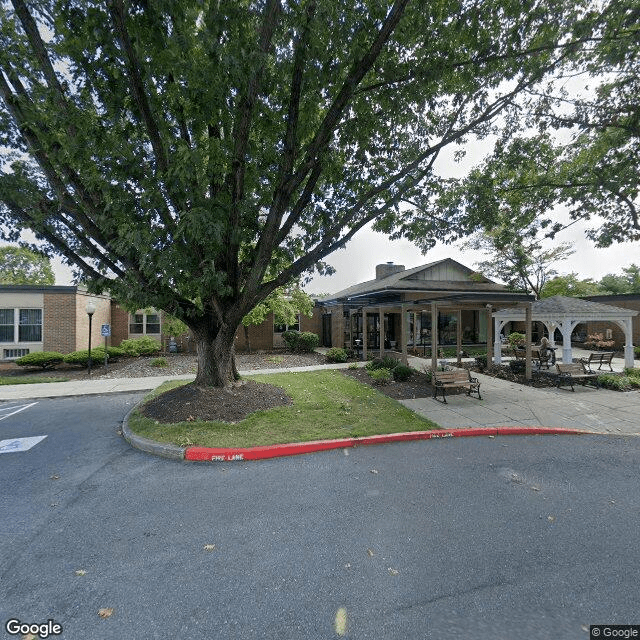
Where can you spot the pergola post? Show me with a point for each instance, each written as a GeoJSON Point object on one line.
{"type": "Point", "coordinates": [459, 338]}
{"type": "Point", "coordinates": [489, 335]}
{"type": "Point", "coordinates": [627, 324]}
{"type": "Point", "coordinates": [527, 323]}
{"type": "Point", "coordinates": [497, 344]}
{"type": "Point", "coordinates": [403, 333]}
{"type": "Point", "coordinates": [567, 327]}
{"type": "Point", "coordinates": [434, 336]}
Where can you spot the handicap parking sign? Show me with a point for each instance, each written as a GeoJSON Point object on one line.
{"type": "Point", "coordinates": [105, 331]}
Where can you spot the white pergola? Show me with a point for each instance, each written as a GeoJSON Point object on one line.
{"type": "Point", "coordinates": [565, 314]}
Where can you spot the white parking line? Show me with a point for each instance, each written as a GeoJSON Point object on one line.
{"type": "Point", "coordinates": [17, 409]}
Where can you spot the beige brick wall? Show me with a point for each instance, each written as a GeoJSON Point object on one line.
{"type": "Point", "coordinates": [59, 322]}
{"type": "Point", "coordinates": [101, 316]}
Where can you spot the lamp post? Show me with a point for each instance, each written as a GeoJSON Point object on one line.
{"type": "Point", "coordinates": [91, 309]}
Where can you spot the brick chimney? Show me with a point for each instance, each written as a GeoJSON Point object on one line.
{"type": "Point", "coordinates": [387, 269]}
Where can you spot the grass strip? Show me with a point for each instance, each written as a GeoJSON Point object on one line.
{"type": "Point", "coordinates": [326, 405]}
{"type": "Point", "coordinates": [8, 380]}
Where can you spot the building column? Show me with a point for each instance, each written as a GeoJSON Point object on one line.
{"type": "Point", "coordinates": [489, 336]}
{"type": "Point", "coordinates": [381, 331]}
{"type": "Point", "coordinates": [459, 338]}
{"type": "Point", "coordinates": [527, 322]}
{"type": "Point", "coordinates": [434, 336]}
{"type": "Point", "coordinates": [403, 333]}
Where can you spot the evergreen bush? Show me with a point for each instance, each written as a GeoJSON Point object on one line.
{"type": "Point", "coordinates": [144, 346]}
{"type": "Point", "coordinates": [336, 354]}
{"type": "Point", "coordinates": [41, 359]}
{"type": "Point", "coordinates": [81, 358]}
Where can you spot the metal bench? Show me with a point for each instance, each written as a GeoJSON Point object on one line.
{"type": "Point", "coordinates": [574, 372]}
{"type": "Point", "coordinates": [603, 357]}
{"type": "Point", "coordinates": [455, 379]}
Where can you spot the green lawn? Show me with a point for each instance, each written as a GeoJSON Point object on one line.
{"type": "Point", "coordinates": [326, 405]}
{"type": "Point", "coordinates": [28, 380]}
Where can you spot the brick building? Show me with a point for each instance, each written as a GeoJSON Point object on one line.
{"type": "Point", "coordinates": [54, 318]}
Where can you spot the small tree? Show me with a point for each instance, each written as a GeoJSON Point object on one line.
{"type": "Point", "coordinates": [285, 306]}
{"type": "Point", "coordinates": [19, 265]}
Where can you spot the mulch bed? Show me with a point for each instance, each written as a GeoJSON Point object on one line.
{"type": "Point", "coordinates": [417, 386]}
{"type": "Point", "coordinates": [189, 403]}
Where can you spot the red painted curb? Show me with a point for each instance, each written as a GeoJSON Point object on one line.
{"type": "Point", "coordinates": [236, 454]}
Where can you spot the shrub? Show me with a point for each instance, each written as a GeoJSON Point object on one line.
{"type": "Point", "coordinates": [597, 341]}
{"type": "Point", "coordinates": [336, 354]}
{"type": "Point", "coordinates": [516, 339]}
{"type": "Point", "coordinates": [401, 372]}
{"type": "Point", "coordinates": [636, 352]}
{"type": "Point", "coordinates": [41, 359]}
{"type": "Point", "coordinates": [159, 362]}
{"type": "Point", "coordinates": [114, 353]}
{"type": "Point", "coordinates": [632, 373]}
{"type": "Point", "coordinates": [81, 358]}
{"type": "Point", "coordinates": [297, 341]}
{"type": "Point", "coordinates": [144, 346]}
{"type": "Point", "coordinates": [380, 376]}
{"type": "Point", "coordinates": [308, 341]}
{"type": "Point", "coordinates": [388, 362]}
{"type": "Point", "coordinates": [481, 361]}
{"type": "Point", "coordinates": [615, 382]}
{"type": "Point", "coordinates": [353, 365]}
{"type": "Point", "coordinates": [517, 366]}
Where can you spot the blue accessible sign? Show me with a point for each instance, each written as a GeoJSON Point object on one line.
{"type": "Point", "coordinates": [105, 330]}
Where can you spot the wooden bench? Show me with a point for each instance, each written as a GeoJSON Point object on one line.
{"type": "Point", "coordinates": [455, 379]}
{"type": "Point", "coordinates": [603, 357]}
{"type": "Point", "coordinates": [574, 372]}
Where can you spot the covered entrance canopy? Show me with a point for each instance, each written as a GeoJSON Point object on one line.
{"type": "Point", "coordinates": [453, 303]}
{"type": "Point", "coordinates": [565, 314]}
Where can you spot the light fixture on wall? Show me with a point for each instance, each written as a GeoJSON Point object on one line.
{"type": "Point", "coordinates": [90, 309]}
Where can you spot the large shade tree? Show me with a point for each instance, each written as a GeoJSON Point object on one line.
{"type": "Point", "coordinates": [195, 155]}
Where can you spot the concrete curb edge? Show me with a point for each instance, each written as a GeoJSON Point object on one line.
{"type": "Point", "coordinates": [171, 451]}
{"type": "Point", "coordinates": [239, 454]}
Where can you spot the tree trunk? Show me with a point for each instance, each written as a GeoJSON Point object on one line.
{"type": "Point", "coordinates": [216, 357]}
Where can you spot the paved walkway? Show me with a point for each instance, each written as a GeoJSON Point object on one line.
{"type": "Point", "coordinates": [503, 403]}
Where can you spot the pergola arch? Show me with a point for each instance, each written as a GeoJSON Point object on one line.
{"type": "Point", "coordinates": [565, 314]}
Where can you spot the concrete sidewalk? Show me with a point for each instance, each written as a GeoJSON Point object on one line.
{"type": "Point", "coordinates": [119, 385]}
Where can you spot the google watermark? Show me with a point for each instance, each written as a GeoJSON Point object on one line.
{"type": "Point", "coordinates": [39, 629]}
{"type": "Point", "coordinates": [598, 631]}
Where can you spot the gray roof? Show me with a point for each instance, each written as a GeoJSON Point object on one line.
{"type": "Point", "coordinates": [404, 281]}
{"type": "Point", "coordinates": [558, 306]}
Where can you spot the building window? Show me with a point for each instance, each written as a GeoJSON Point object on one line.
{"type": "Point", "coordinates": [136, 325]}
{"type": "Point", "coordinates": [281, 328]}
{"type": "Point", "coordinates": [144, 323]}
{"type": "Point", "coordinates": [30, 325]}
{"type": "Point", "coordinates": [6, 325]}
{"type": "Point", "coordinates": [153, 323]}
{"type": "Point", "coordinates": [14, 353]}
